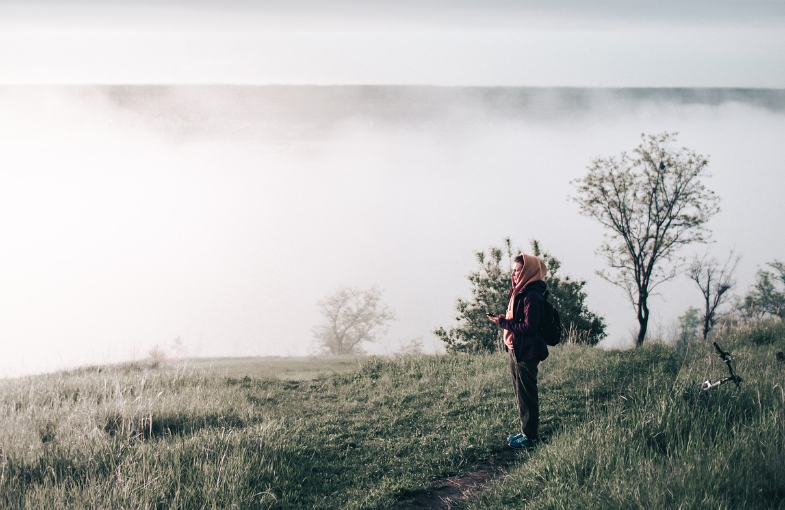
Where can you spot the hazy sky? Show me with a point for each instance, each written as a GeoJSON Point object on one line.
{"type": "Point", "coordinates": [133, 216]}
{"type": "Point", "coordinates": [693, 43]}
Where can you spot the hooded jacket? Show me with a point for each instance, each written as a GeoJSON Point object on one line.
{"type": "Point", "coordinates": [527, 309]}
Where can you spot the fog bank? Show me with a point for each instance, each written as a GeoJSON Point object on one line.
{"type": "Point", "coordinates": [220, 214]}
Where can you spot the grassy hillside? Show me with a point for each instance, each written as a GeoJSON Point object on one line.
{"type": "Point", "coordinates": [622, 429]}
{"type": "Point", "coordinates": [660, 443]}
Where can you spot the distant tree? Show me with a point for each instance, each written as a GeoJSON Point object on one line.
{"type": "Point", "coordinates": [156, 356]}
{"type": "Point", "coordinates": [715, 282]}
{"type": "Point", "coordinates": [352, 316]}
{"type": "Point", "coordinates": [413, 347]}
{"type": "Point", "coordinates": [764, 298]}
{"type": "Point", "coordinates": [489, 288]}
{"type": "Point", "coordinates": [689, 325]}
{"type": "Point", "coordinates": [179, 348]}
{"type": "Point", "coordinates": [653, 203]}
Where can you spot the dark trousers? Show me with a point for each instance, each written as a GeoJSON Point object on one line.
{"type": "Point", "coordinates": [524, 381]}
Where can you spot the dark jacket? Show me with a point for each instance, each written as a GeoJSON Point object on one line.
{"type": "Point", "coordinates": [527, 310]}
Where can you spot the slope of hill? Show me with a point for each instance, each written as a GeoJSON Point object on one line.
{"type": "Point", "coordinates": [622, 429]}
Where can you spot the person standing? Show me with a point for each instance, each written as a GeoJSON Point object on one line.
{"type": "Point", "coordinates": [525, 344]}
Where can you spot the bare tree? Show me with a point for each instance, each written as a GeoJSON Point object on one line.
{"type": "Point", "coordinates": [352, 316]}
{"type": "Point", "coordinates": [714, 282]}
{"type": "Point", "coordinates": [653, 203]}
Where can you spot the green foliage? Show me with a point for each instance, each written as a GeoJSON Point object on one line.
{"type": "Point", "coordinates": [490, 286]}
{"type": "Point", "coordinates": [689, 325]}
{"type": "Point", "coordinates": [652, 203]}
{"type": "Point", "coordinates": [764, 299]}
{"type": "Point", "coordinates": [567, 295]}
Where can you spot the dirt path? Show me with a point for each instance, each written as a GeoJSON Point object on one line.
{"type": "Point", "coordinates": [448, 493]}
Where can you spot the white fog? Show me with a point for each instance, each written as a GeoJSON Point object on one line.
{"type": "Point", "coordinates": [132, 216]}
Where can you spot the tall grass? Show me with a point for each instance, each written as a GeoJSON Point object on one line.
{"type": "Point", "coordinates": [622, 429]}
{"type": "Point", "coordinates": [165, 438]}
{"type": "Point", "coordinates": [662, 443]}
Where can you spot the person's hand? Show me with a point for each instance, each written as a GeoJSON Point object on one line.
{"type": "Point", "coordinates": [494, 318]}
{"type": "Point", "coordinates": [508, 343]}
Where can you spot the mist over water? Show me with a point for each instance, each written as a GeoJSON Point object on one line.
{"type": "Point", "coordinates": [220, 215]}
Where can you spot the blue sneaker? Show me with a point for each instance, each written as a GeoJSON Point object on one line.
{"type": "Point", "coordinates": [521, 443]}
{"type": "Point", "coordinates": [514, 438]}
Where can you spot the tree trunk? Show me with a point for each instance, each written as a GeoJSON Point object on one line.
{"type": "Point", "coordinates": [706, 318]}
{"type": "Point", "coordinates": [643, 320]}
